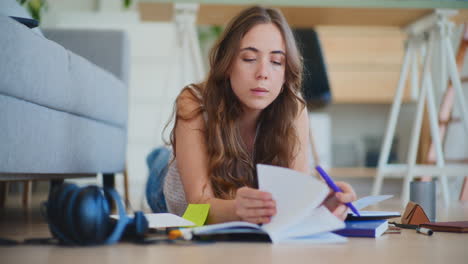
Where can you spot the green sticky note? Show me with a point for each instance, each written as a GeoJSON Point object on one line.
{"type": "Point", "coordinates": [197, 213]}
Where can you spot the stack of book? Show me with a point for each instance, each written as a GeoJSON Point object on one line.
{"type": "Point", "coordinates": [363, 228]}
{"type": "Point", "coordinates": [368, 223]}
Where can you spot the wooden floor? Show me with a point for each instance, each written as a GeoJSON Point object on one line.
{"type": "Point", "coordinates": [407, 247]}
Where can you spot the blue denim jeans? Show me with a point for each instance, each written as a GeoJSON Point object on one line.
{"type": "Point", "coordinates": [157, 161]}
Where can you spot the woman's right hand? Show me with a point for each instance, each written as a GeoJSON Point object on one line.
{"type": "Point", "coordinates": [254, 206]}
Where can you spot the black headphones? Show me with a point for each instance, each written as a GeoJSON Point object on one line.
{"type": "Point", "coordinates": [81, 216]}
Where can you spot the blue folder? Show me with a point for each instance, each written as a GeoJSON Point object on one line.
{"type": "Point", "coordinates": [365, 228]}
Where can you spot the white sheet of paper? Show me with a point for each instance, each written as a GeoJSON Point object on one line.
{"type": "Point", "coordinates": [163, 220]}
{"type": "Point", "coordinates": [296, 196]}
{"type": "Point", "coordinates": [370, 200]}
{"type": "Point", "coordinates": [377, 213]}
{"type": "Point", "coordinates": [321, 238]}
{"type": "Point", "coordinates": [319, 221]}
{"type": "Point", "coordinates": [167, 220]}
{"type": "Point", "coordinates": [210, 229]}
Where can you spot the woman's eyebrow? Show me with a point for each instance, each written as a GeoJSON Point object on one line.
{"type": "Point", "coordinates": [256, 50]}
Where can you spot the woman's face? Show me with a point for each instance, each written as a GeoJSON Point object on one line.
{"type": "Point", "coordinates": [257, 73]}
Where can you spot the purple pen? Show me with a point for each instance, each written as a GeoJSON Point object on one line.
{"type": "Point", "coordinates": [334, 187]}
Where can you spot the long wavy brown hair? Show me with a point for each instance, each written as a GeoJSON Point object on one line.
{"type": "Point", "coordinates": [230, 165]}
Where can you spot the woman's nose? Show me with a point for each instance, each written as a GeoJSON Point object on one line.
{"type": "Point", "coordinates": [262, 71]}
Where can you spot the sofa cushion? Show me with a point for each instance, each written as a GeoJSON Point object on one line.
{"type": "Point", "coordinates": [37, 139]}
{"type": "Point", "coordinates": [108, 49]}
{"type": "Point", "coordinates": [40, 71]}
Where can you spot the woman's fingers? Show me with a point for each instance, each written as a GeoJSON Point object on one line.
{"type": "Point", "coordinates": [252, 198]}
{"type": "Point", "coordinates": [256, 215]}
{"type": "Point", "coordinates": [246, 211]}
{"type": "Point", "coordinates": [258, 220]}
{"type": "Point", "coordinates": [252, 203]}
{"type": "Point", "coordinates": [348, 195]}
{"type": "Point", "coordinates": [253, 217]}
{"type": "Point", "coordinates": [259, 212]}
{"type": "Point", "coordinates": [254, 206]}
{"type": "Point", "coordinates": [331, 202]}
{"type": "Point", "coordinates": [336, 201]}
{"type": "Point", "coordinates": [341, 211]}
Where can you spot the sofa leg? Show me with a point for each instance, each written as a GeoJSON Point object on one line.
{"type": "Point", "coordinates": [108, 181]}
{"type": "Point", "coordinates": [26, 193]}
{"type": "Point", "coordinates": [3, 193]}
{"type": "Point", "coordinates": [126, 192]}
{"type": "Point", "coordinates": [54, 184]}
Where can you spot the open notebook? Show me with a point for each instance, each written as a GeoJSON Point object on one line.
{"type": "Point", "coordinates": [299, 218]}
{"type": "Point", "coordinates": [371, 215]}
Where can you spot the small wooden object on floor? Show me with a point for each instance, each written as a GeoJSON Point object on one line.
{"type": "Point", "coordinates": [26, 193]}
{"type": "Point", "coordinates": [126, 192]}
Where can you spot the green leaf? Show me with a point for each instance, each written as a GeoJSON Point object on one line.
{"type": "Point", "coordinates": [127, 3]}
{"type": "Point", "coordinates": [34, 7]}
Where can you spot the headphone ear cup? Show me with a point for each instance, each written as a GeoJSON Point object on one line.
{"type": "Point", "coordinates": [56, 198]}
{"type": "Point", "coordinates": [56, 210]}
{"type": "Point", "coordinates": [141, 224]}
{"type": "Point", "coordinates": [137, 226]}
{"type": "Point", "coordinates": [91, 216]}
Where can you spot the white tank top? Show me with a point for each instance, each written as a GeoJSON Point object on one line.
{"type": "Point", "coordinates": [173, 189]}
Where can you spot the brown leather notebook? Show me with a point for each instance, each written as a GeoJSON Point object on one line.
{"type": "Point", "coordinates": [458, 227]}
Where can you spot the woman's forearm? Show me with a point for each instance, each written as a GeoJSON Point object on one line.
{"type": "Point", "coordinates": [221, 211]}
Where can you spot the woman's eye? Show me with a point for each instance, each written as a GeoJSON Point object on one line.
{"type": "Point", "coordinates": [248, 60]}
{"type": "Point", "coordinates": [277, 63]}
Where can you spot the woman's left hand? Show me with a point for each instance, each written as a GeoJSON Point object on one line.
{"type": "Point", "coordinates": [335, 201]}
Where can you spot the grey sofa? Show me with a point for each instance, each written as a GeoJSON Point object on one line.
{"type": "Point", "coordinates": [62, 114]}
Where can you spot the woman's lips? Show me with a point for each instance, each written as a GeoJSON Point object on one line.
{"type": "Point", "coordinates": [259, 91]}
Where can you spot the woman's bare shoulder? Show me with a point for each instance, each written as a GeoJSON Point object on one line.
{"type": "Point", "coordinates": [189, 102]}
{"type": "Point", "coordinates": [302, 112]}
